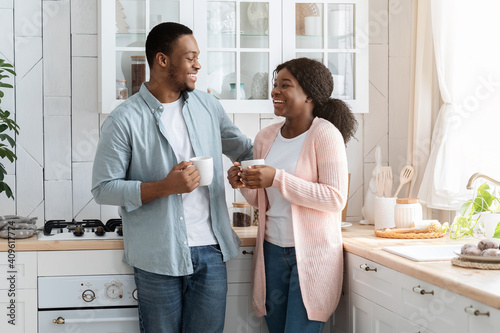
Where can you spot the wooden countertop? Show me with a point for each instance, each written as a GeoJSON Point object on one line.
{"type": "Point", "coordinates": [479, 285]}
{"type": "Point", "coordinates": [247, 236]}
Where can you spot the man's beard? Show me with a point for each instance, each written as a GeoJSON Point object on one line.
{"type": "Point", "coordinates": [172, 78]}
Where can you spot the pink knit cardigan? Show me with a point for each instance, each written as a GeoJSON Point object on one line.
{"type": "Point", "coordinates": [318, 193]}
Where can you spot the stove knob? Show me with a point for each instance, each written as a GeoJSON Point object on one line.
{"type": "Point", "coordinates": [78, 231]}
{"type": "Point", "coordinates": [134, 294]}
{"type": "Point", "coordinates": [100, 231]}
{"type": "Point", "coordinates": [88, 295]}
{"type": "Point", "coordinates": [119, 230]}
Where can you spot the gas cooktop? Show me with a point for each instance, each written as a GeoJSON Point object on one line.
{"type": "Point", "coordinates": [81, 230]}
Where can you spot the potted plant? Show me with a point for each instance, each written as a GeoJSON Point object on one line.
{"type": "Point", "coordinates": [469, 222]}
{"type": "Point", "coordinates": [7, 143]}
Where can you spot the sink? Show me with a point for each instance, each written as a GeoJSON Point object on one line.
{"type": "Point", "coordinates": [424, 252]}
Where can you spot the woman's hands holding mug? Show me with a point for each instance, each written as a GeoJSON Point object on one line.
{"type": "Point", "coordinates": [255, 176]}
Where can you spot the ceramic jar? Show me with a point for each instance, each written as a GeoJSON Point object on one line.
{"type": "Point", "coordinates": [406, 211]}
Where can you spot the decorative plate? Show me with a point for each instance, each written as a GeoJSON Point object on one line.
{"type": "Point", "coordinates": [477, 258]}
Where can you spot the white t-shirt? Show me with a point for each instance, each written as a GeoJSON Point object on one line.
{"type": "Point", "coordinates": [197, 203]}
{"type": "Point", "coordinates": [284, 155]}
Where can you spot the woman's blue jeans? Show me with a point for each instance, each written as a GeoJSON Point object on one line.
{"type": "Point", "coordinates": [286, 312]}
{"type": "Point", "coordinates": [191, 304]}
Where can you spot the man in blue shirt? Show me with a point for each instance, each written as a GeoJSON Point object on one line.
{"type": "Point", "coordinates": [177, 234]}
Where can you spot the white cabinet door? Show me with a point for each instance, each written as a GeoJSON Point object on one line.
{"type": "Point", "coordinates": [406, 326]}
{"type": "Point", "coordinates": [22, 266]}
{"type": "Point", "coordinates": [240, 43]}
{"type": "Point", "coordinates": [239, 269]}
{"type": "Point", "coordinates": [373, 281]}
{"type": "Point", "coordinates": [20, 316]}
{"type": "Point", "coordinates": [332, 32]}
{"type": "Point", "coordinates": [430, 306]}
{"type": "Point", "coordinates": [240, 317]}
{"type": "Point", "coordinates": [361, 314]}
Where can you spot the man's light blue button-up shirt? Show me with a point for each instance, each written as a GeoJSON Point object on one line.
{"type": "Point", "coordinates": [133, 148]}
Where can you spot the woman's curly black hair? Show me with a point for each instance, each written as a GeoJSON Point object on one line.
{"type": "Point", "coordinates": [317, 82]}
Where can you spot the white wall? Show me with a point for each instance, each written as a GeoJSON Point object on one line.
{"type": "Point", "coordinates": [53, 45]}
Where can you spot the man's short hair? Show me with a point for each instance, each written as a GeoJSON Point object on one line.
{"type": "Point", "coordinates": [162, 38]}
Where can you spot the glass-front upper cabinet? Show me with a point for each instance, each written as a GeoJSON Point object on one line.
{"type": "Point", "coordinates": [123, 28]}
{"type": "Point", "coordinates": [332, 32]}
{"type": "Point", "coordinates": [240, 43]}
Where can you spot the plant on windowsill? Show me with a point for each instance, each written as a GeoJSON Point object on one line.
{"type": "Point", "coordinates": [467, 223]}
{"type": "Point", "coordinates": [6, 124]}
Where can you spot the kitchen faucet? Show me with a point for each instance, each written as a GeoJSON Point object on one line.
{"type": "Point", "coordinates": [480, 175]}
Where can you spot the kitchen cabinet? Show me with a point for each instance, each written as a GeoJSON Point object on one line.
{"type": "Point", "coordinates": [123, 26]}
{"type": "Point", "coordinates": [240, 316]}
{"type": "Point", "coordinates": [384, 300]}
{"type": "Point", "coordinates": [334, 33]}
{"type": "Point", "coordinates": [241, 43]}
{"type": "Point", "coordinates": [18, 295]}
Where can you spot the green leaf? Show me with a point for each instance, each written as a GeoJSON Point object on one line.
{"type": "Point", "coordinates": [497, 231]}
{"type": "Point", "coordinates": [10, 71]}
{"type": "Point", "coordinates": [3, 127]}
{"type": "Point", "coordinates": [5, 188]}
{"type": "Point", "coordinates": [7, 137]}
{"type": "Point", "coordinates": [1, 94]}
{"type": "Point", "coordinates": [5, 85]}
{"type": "Point", "coordinates": [465, 206]}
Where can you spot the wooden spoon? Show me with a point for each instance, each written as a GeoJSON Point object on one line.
{"type": "Point", "coordinates": [406, 176]}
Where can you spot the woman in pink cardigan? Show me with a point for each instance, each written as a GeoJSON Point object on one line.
{"type": "Point", "coordinates": [300, 193]}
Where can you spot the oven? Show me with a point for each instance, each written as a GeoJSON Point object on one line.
{"type": "Point", "coordinates": [82, 298]}
{"type": "Point", "coordinates": [97, 304]}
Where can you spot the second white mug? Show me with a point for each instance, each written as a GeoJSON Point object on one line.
{"type": "Point", "coordinates": [247, 163]}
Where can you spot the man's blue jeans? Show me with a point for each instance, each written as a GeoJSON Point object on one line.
{"type": "Point", "coordinates": [191, 304]}
{"type": "Point", "coordinates": [286, 312]}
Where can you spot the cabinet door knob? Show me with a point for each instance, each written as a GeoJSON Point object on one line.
{"type": "Point", "coordinates": [421, 291]}
{"type": "Point", "coordinates": [247, 252]}
{"type": "Point", "coordinates": [470, 310]}
{"type": "Point", "coordinates": [367, 268]}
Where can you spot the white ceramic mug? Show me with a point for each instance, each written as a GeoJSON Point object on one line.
{"type": "Point", "coordinates": [246, 164]}
{"type": "Point", "coordinates": [205, 167]}
{"type": "Point", "coordinates": [384, 212]}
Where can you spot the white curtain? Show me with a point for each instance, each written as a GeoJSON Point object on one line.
{"type": "Point", "coordinates": [467, 131]}
{"type": "Point", "coordinates": [424, 94]}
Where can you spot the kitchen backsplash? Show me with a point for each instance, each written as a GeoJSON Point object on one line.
{"type": "Point", "coordinates": [53, 45]}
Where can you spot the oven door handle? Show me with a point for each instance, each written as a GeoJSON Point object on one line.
{"type": "Point", "coordinates": [61, 320]}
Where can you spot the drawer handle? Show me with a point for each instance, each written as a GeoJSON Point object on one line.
{"type": "Point", "coordinates": [247, 252]}
{"type": "Point", "coordinates": [475, 312]}
{"type": "Point", "coordinates": [421, 291]}
{"type": "Point", "coordinates": [367, 268]}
